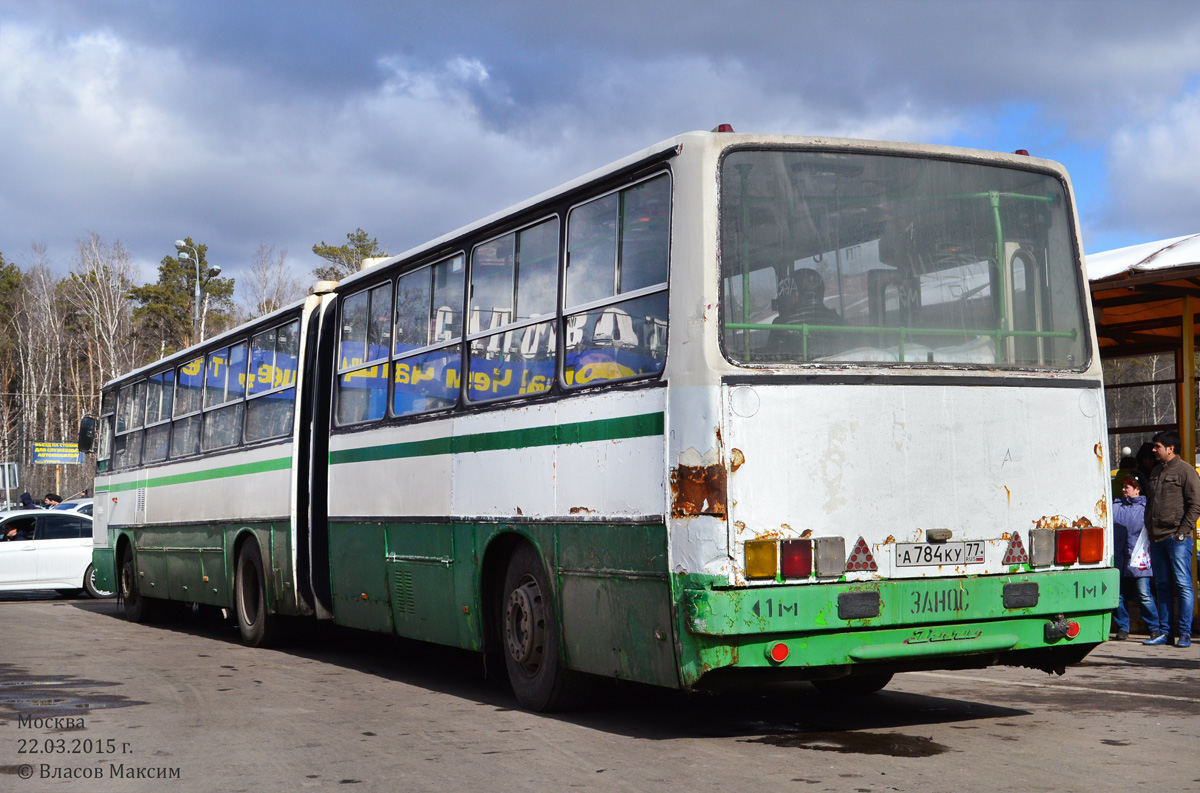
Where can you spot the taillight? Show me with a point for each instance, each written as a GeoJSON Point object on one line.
{"type": "Point", "coordinates": [1091, 545]}
{"type": "Point", "coordinates": [761, 559]}
{"type": "Point", "coordinates": [796, 558]}
{"type": "Point", "coordinates": [1066, 546]}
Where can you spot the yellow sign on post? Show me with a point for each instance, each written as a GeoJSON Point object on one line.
{"type": "Point", "coordinates": [50, 453]}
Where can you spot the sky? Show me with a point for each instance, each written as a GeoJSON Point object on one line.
{"type": "Point", "coordinates": [293, 122]}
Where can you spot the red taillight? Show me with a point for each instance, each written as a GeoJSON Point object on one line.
{"type": "Point", "coordinates": [796, 558]}
{"type": "Point", "coordinates": [1023, 152]}
{"type": "Point", "coordinates": [1066, 546]}
{"type": "Point", "coordinates": [778, 653]}
{"type": "Point", "coordinates": [1072, 629]}
{"type": "Point", "coordinates": [1091, 545]}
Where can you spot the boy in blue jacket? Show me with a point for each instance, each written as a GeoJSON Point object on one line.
{"type": "Point", "coordinates": [1129, 511]}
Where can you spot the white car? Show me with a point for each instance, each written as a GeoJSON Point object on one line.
{"type": "Point", "coordinates": [80, 505]}
{"type": "Point", "coordinates": [47, 549]}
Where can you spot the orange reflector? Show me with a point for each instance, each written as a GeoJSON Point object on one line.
{"type": "Point", "coordinates": [796, 558]}
{"type": "Point", "coordinates": [1072, 629]}
{"type": "Point", "coordinates": [1066, 546]}
{"type": "Point", "coordinates": [1091, 545]}
{"type": "Point", "coordinates": [778, 652]}
{"type": "Point", "coordinates": [761, 559]}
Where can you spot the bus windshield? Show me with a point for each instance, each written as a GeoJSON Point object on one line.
{"type": "Point", "coordinates": [848, 257]}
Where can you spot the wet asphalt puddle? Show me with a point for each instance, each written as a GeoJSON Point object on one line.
{"type": "Point", "coordinates": [29, 695]}
{"type": "Point", "coordinates": [889, 744]}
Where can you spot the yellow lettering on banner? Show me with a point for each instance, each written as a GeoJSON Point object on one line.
{"type": "Point", "coordinates": [193, 367]}
{"type": "Point", "coordinates": [569, 376]}
{"type": "Point", "coordinates": [423, 373]}
{"type": "Point", "coordinates": [538, 384]}
{"type": "Point", "coordinates": [401, 373]}
{"type": "Point", "coordinates": [497, 383]}
{"type": "Point", "coordinates": [452, 379]}
{"type": "Point", "coordinates": [480, 381]}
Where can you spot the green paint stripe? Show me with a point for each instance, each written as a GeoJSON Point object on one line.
{"type": "Point", "coordinates": [554, 435]}
{"type": "Point", "coordinates": [244, 469]}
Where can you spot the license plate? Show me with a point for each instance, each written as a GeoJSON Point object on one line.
{"type": "Point", "coordinates": [919, 554]}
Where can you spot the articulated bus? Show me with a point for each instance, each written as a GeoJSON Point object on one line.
{"type": "Point", "coordinates": [736, 407]}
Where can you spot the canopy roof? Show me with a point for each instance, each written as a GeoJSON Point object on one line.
{"type": "Point", "coordinates": [1137, 291]}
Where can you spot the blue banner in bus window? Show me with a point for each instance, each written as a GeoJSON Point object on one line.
{"type": "Point", "coordinates": [362, 394]}
{"type": "Point", "coordinates": [425, 382]}
{"type": "Point", "coordinates": [266, 375]}
{"type": "Point", "coordinates": [513, 363]}
{"type": "Point", "coordinates": [351, 354]}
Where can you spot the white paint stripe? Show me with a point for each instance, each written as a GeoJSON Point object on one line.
{"type": "Point", "coordinates": [1055, 686]}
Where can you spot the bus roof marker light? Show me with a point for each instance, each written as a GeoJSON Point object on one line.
{"type": "Point", "coordinates": [1022, 152]}
{"type": "Point", "coordinates": [723, 128]}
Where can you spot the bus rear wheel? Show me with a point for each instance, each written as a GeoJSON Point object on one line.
{"type": "Point", "coordinates": [257, 624]}
{"type": "Point", "coordinates": [138, 608]}
{"type": "Point", "coordinates": [529, 634]}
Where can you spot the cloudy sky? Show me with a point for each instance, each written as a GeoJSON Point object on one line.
{"type": "Point", "coordinates": [291, 122]}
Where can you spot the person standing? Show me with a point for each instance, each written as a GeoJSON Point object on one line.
{"type": "Point", "coordinates": [1129, 511]}
{"type": "Point", "coordinates": [1172, 507]}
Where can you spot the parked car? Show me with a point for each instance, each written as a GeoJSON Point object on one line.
{"type": "Point", "coordinates": [47, 549]}
{"type": "Point", "coordinates": [80, 505]}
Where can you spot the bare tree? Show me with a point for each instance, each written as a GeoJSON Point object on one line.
{"type": "Point", "coordinates": [98, 291]}
{"type": "Point", "coordinates": [270, 284]}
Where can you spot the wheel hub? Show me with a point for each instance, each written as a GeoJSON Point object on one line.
{"type": "Point", "coordinates": [525, 625]}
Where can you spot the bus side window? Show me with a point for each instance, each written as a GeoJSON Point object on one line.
{"type": "Point", "coordinates": [363, 350]}
{"type": "Point", "coordinates": [224, 385]}
{"type": "Point", "coordinates": [514, 279]}
{"type": "Point", "coordinates": [271, 400]}
{"type": "Point", "coordinates": [617, 254]}
{"type": "Point", "coordinates": [185, 409]}
{"type": "Point", "coordinates": [131, 409]}
{"type": "Point", "coordinates": [428, 328]}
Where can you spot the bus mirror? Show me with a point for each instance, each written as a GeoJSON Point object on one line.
{"type": "Point", "coordinates": [87, 433]}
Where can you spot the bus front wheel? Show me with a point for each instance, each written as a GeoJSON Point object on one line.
{"type": "Point", "coordinates": [255, 621]}
{"type": "Point", "coordinates": [529, 633]}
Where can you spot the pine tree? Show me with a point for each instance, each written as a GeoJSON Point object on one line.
{"type": "Point", "coordinates": [346, 259]}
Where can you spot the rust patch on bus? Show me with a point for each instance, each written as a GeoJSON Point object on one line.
{"type": "Point", "coordinates": [698, 490]}
{"type": "Point", "coordinates": [1061, 522]}
{"type": "Point", "coordinates": [804, 535]}
{"type": "Point", "coordinates": [736, 459]}
{"type": "Point", "coordinates": [1102, 510]}
{"type": "Point", "coordinates": [580, 511]}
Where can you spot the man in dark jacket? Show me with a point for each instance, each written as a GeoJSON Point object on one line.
{"type": "Point", "coordinates": [1172, 507]}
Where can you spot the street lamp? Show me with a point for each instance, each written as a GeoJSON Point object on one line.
{"type": "Point", "coordinates": [182, 249]}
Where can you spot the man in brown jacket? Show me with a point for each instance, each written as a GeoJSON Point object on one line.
{"type": "Point", "coordinates": [1172, 507]}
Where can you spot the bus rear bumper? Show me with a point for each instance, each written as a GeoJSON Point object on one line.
{"type": "Point", "coordinates": [1044, 620]}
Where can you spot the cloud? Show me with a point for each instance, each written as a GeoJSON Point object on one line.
{"type": "Point", "coordinates": [1155, 171]}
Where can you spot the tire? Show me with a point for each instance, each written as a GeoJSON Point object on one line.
{"type": "Point", "coordinates": [529, 636]}
{"type": "Point", "coordinates": [89, 584]}
{"type": "Point", "coordinates": [258, 626]}
{"type": "Point", "coordinates": [853, 686]}
{"type": "Point", "coordinates": [138, 608]}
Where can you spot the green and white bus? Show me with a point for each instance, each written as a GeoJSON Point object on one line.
{"type": "Point", "coordinates": [734, 407]}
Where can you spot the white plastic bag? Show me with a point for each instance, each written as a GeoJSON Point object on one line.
{"type": "Point", "coordinates": [1140, 558]}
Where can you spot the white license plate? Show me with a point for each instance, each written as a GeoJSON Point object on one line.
{"type": "Point", "coordinates": [919, 554]}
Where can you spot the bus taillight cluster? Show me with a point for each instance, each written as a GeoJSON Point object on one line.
{"type": "Point", "coordinates": [804, 558]}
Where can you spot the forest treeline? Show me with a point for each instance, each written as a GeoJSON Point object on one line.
{"type": "Point", "coordinates": [64, 336]}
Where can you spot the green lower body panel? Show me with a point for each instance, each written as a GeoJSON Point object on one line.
{"type": "Point", "coordinates": [427, 581]}
{"type": "Point", "coordinates": [195, 563]}
{"type": "Point", "coordinates": [1037, 619]}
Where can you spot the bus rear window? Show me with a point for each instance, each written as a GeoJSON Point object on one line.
{"type": "Point", "coordinates": [845, 258]}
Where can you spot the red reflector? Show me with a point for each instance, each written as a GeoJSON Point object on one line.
{"type": "Point", "coordinates": [1072, 629]}
{"type": "Point", "coordinates": [1066, 546]}
{"type": "Point", "coordinates": [1024, 152]}
{"type": "Point", "coordinates": [778, 652]}
{"type": "Point", "coordinates": [796, 557]}
{"type": "Point", "coordinates": [1091, 545]}
{"type": "Point", "coordinates": [723, 128]}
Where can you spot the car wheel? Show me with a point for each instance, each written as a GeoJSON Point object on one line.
{"type": "Point", "coordinates": [89, 584]}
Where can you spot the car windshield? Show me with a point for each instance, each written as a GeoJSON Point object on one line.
{"type": "Point", "coordinates": [846, 258]}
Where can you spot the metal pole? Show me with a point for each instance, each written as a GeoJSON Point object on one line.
{"type": "Point", "coordinates": [1185, 368]}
